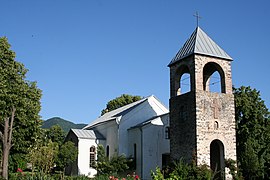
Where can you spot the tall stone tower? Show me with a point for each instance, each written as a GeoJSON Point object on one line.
{"type": "Point", "coordinates": [202, 122]}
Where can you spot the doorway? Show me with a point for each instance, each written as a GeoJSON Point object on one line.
{"type": "Point", "coordinates": [217, 163]}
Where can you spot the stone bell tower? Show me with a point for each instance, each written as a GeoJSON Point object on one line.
{"type": "Point", "coordinates": [202, 122]}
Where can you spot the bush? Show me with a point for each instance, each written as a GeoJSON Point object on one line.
{"type": "Point", "coordinates": [183, 171]}
{"type": "Point", "coordinates": [106, 166]}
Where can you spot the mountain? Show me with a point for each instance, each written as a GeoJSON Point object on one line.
{"type": "Point", "coordinates": [64, 124]}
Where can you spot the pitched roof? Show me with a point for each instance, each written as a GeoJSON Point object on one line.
{"type": "Point", "coordinates": [200, 43]}
{"type": "Point", "coordinates": [113, 115]}
{"type": "Point", "coordinates": [116, 114]}
{"type": "Point", "coordinates": [87, 134]}
{"type": "Point", "coordinates": [148, 121]}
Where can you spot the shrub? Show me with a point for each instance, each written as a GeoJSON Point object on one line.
{"type": "Point", "coordinates": [183, 171]}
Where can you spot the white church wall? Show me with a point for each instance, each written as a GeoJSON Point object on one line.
{"type": "Point", "coordinates": [148, 109]}
{"type": "Point", "coordinates": [134, 137]}
{"type": "Point", "coordinates": [84, 157]}
{"type": "Point", "coordinates": [152, 139]}
{"type": "Point", "coordinates": [154, 145]}
{"type": "Point", "coordinates": [110, 131]}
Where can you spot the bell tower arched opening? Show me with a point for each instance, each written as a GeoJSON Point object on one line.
{"type": "Point", "coordinates": [213, 78]}
{"type": "Point", "coordinates": [182, 80]}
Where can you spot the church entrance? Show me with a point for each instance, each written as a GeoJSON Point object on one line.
{"type": "Point", "coordinates": [217, 163]}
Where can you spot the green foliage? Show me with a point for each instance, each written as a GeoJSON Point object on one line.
{"type": "Point", "coordinates": [42, 176]}
{"type": "Point", "coordinates": [183, 171]}
{"type": "Point", "coordinates": [21, 95]}
{"type": "Point", "coordinates": [234, 171]}
{"type": "Point", "coordinates": [107, 166]}
{"type": "Point", "coordinates": [158, 175]}
{"type": "Point", "coordinates": [16, 161]}
{"type": "Point", "coordinates": [253, 133]}
{"type": "Point", "coordinates": [64, 124]}
{"type": "Point", "coordinates": [43, 157]}
{"type": "Point", "coordinates": [55, 134]}
{"type": "Point", "coordinates": [67, 154]}
{"type": "Point", "coordinates": [118, 102]}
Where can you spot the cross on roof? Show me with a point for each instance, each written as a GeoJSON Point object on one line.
{"type": "Point", "coordinates": [197, 17]}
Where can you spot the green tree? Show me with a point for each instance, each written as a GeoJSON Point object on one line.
{"type": "Point", "coordinates": [43, 157]}
{"type": "Point", "coordinates": [253, 133]}
{"type": "Point", "coordinates": [19, 105]}
{"type": "Point", "coordinates": [67, 154]}
{"type": "Point", "coordinates": [118, 102]}
{"type": "Point", "coordinates": [56, 134]}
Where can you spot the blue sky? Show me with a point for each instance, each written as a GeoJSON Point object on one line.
{"type": "Point", "coordinates": [83, 53]}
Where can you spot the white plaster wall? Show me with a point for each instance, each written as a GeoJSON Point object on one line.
{"type": "Point", "coordinates": [148, 109]}
{"type": "Point", "coordinates": [134, 137]}
{"type": "Point", "coordinates": [154, 145]}
{"type": "Point", "coordinates": [84, 157]}
{"type": "Point", "coordinates": [110, 132]}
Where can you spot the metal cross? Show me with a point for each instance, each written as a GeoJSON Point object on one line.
{"type": "Point", "coordinates": [197, 17]}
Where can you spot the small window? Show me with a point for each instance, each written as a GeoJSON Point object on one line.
{"type": "Point", "coordinates": [135, 155]}
{"type": "Point", "coordinates": [167, 133]}
{"type": "Point", "coordinates": [107, 151]}
{"type": "Point", "coordinates": [216, 125]}
{"type": "Point", "coordinates": [92, 155]}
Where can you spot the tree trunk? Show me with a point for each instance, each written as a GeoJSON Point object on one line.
{"type": "Point", "coordinates": [5, 162]}
{"type": "Point", "coordinates": [6, 139]}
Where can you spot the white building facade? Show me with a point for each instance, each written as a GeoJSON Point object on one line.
{"type": "Point", "coordinates": [139, 130]}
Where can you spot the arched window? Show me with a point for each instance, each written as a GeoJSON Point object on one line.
{"type": "Point", "coordinates": [213, 78]}
{"type": "Point", "coordinates": [135, 155]}
{"type": "Point", "coordinates": [107, 151]}
{"type": "Point", "coordinates": [184, 83]}
{"type": "Point", "coordinates": [92, 155]}
{"type": "Point", "coordinates": [182, 80]}
{"type": "Point", "coordinates": [216, 125]}
{"type": "Point", "coordinates": [167, 133]}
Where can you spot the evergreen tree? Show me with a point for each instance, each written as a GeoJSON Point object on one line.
{"type": "Point", "coordinates": [253, 133]}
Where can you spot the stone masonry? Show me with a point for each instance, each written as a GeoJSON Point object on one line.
{"type": "Point", "coordinates": [200, 117]}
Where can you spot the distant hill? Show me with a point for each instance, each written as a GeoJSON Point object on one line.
{"type": "Point", "coordinates": [64, 124]}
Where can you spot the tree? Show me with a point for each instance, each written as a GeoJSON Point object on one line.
{"type": "Point", "coordinates": [67, 154]}
{"type": "Point", "coordinates": [252, 133]}
{"type": "Point", "coordinates": [19, 104]}
{"type": "Point", "coordinates": [56, 134]}
{"type": "Point", "coordinates": [43, 157]}
{"type": "Point", "coordinates": [118, 102]}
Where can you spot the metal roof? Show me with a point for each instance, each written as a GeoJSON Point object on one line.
{"type": "Point", "coordinates": [87, 134]}
{"type": "Point", "coordinates": [148, 121]}
{"type": "Point", "coordinates": [113, 115]}
{"type": "Point", "coordinates": [200, 43]}
{"type": "Point", "coordinates": [116, 114]}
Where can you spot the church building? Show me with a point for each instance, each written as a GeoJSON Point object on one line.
{"type": "Point", "coordinates": [139, 130]}
{"type": "Point", "coordinates": [198, 127]}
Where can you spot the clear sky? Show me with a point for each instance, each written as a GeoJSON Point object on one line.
{"type": "Point", "coordinates": [83, 53]}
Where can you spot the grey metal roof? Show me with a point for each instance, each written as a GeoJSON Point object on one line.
{"type": "Point", "coordinates": [148, 121]}
{"type": "Point", "coordinates": [200, 43]}
{"type": "Point", "coordinates": [87, 134]}
{"type": "Point", "coordinates": [113, 115]}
